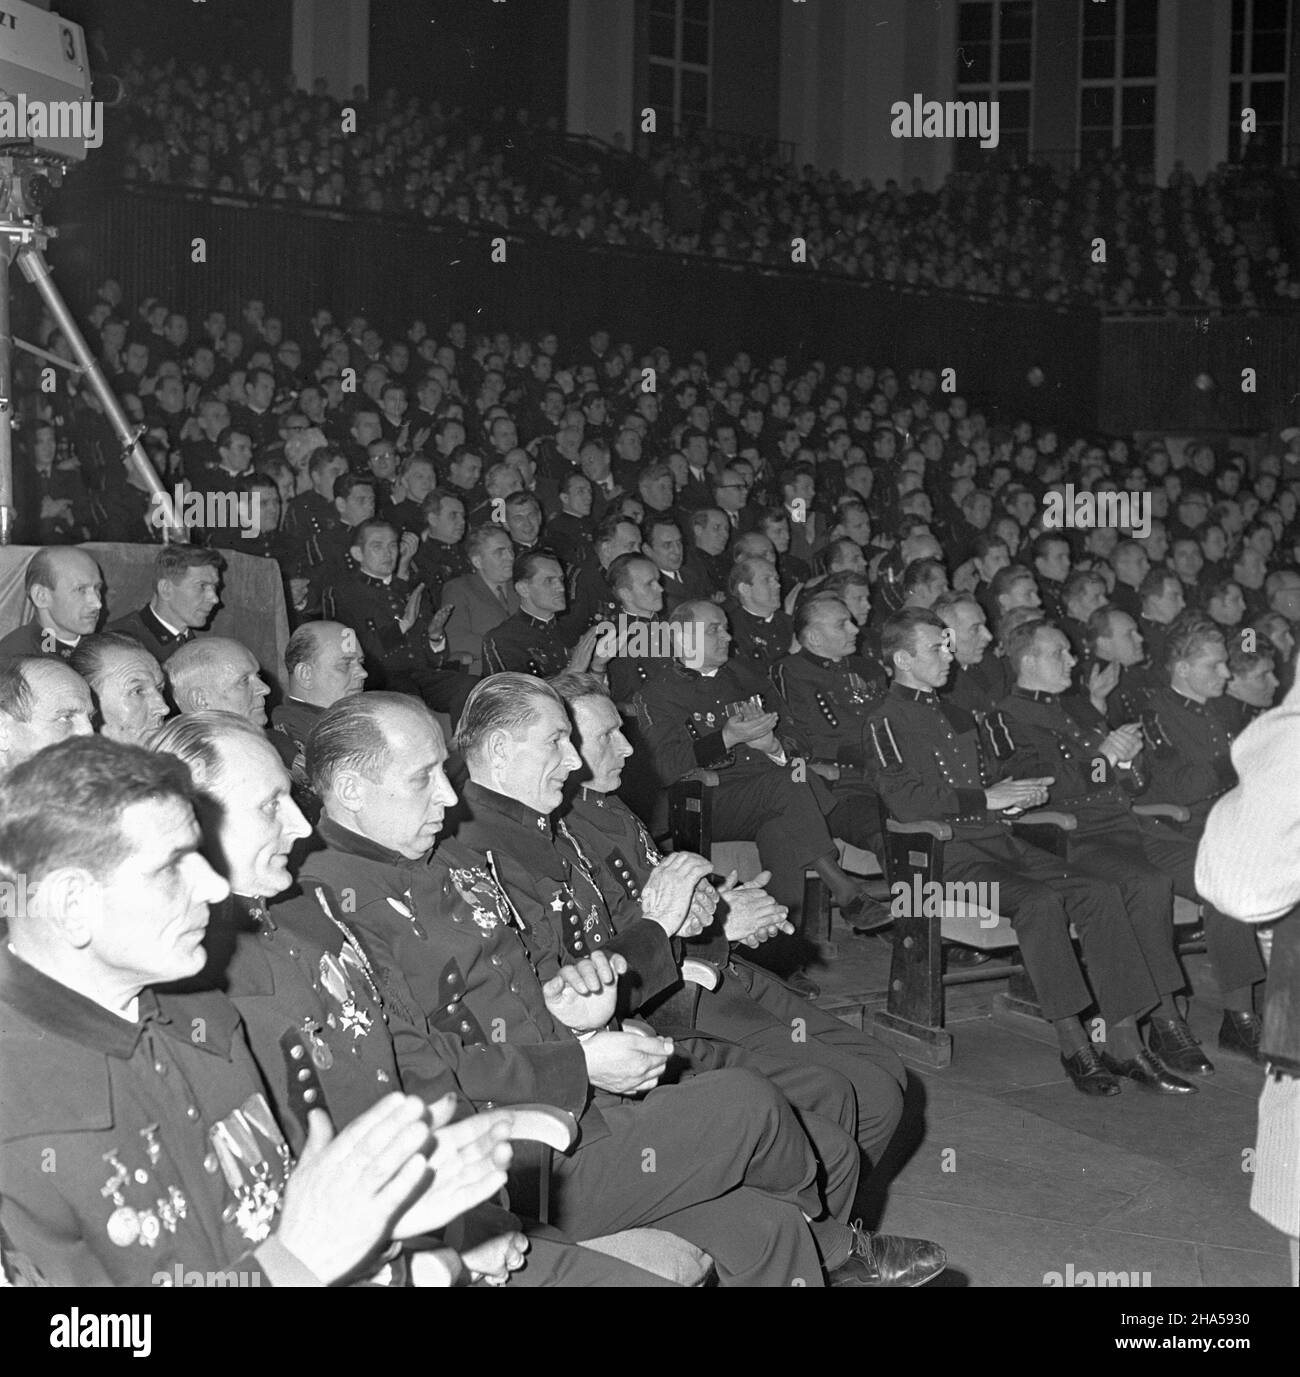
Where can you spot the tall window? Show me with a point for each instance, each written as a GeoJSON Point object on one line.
{"type": "Point", "coordinates": [680, 50]}
{"type": "Point", "coordinates": [1117, 95]}
{"type": "Point", "coordinates": [995, 57]}
{"type": "Point", "coordinates": [1259, 70]}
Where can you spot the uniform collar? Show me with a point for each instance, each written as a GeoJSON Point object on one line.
{"type": "Point", "coordinates": [341, 838]}
{"type": "Point", "coordinates": [820, 660]}
{"type": "Point", "coordinates": [483, 800]}
{"type": "Point", "coordinates": [586, 794]}
{"type": "Point", "coordinates": [372, 582]}
{"type": "Point", "coordinates": [1035, 695]}
{"type": "Point", "coordinates": [538, 623]}
{"type": "Point", "coordinates": [72, 1016]}
{"type": "Point", "coordinates": [912, 695]}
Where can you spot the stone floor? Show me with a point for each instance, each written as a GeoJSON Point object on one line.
{"type": "Point", "coordinates": [1020, 1176]}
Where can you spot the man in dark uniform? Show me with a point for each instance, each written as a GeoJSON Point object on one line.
{"type": "Point", "coordinates": [1050, 554]}
{"type": "Point", "coordinates": [928, 763]}
{"type": "Point", "coordinates": [441, 556]}
{"type": "Point", "coordinates": [1117, 653]}
{"type": "Point", "coordinates": [187, 583]}
{"type": "Point", "coordinates": [706, 562]}
{"type": "Point", "coordinates": [720, 715]}
{"type": "Point", "coordinates": [403, 646]}
{"type": "Point", "coordinates": [1097, 773]}
{"type": "Point", "coordinates": [1129, 561]}
{"type": "Point", "coordinates": [1190, 763]}
{"type": "Point", "coordinates": [66, 590]}
{"type": "Point", "coordinates": [643, 645]}
{"type": "Point", "coordinates": [168, 1153]}
{"type": "Point", "coordinates": [294, 965]}
{"type": "Point", "coordinates": [721, 994]}
{"type": "Point", "coordinates": [760, 629]}
{"type": "Point", "coordinates": [590, 597]}
{"type": "Point", "coordinates": [977, 679]}
{"type": "Point", "coordinates": [828, 688]}
{"type": "Point", "coordinates": [311, 515]}
{"type": "Point", "coordinates": [733, 1169]}
{"type": "Point", "coordinates": [552, 885]}
{"type": "Point", "coordinates": [1163, 602]}
{"type": "Point", "coordinates": [528, 641]}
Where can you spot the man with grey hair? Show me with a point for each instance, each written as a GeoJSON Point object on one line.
{"type": "Point", "coordinates": [41, 701]}
{"type": "Point", "coordinates": [734, 1172]}
{"type": "Point", "coordinates": [218, 675]}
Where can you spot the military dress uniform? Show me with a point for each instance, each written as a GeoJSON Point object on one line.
{"type": "Point", "coordinates": [291, 724]}
{"type": "Point", "coordinates": [160, 641]}
{"type": "Point", "coordinates": [626, 673]}
{"type": "Point", "coordinates": [34, 639]}
{"type": "Point", "coordinates": [591, 600]}
{"type": "Point", "coordinates": [828, 700]}
{"type": "Point", "coordinates": [436, 564]}
{"type": "Point", "coordinates": [308, 518]}
{"type": "Point", "coordinates": [734, 1172]}
{"type": "Point", "coordinates": [525, 644]}
{"type": "Point", "coordinates": [167, 1151]}
{"type": "Point", "coordinates": [929, 759]}
{"type": "Point", "coordinates": [746, 1006]}
{"type": "Point", "coordinates": [681, 716]}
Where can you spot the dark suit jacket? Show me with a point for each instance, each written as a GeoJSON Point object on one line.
{"type": "Point", "coordinates": [150, 632]}
{"type": "Point", "coordinates": [477, 611]}
{"type": "Point", "coordinates": [29, 639]}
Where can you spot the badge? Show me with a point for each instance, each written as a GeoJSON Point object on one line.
{"type": "Point", "coordinates": [123, 1226]}
{"type": "Point", "coordinates": [150, 1229]}
{"type": "Point", "coordinates": [322, 1057]}
{"type": "Point", "coordinates": [255, 1160]}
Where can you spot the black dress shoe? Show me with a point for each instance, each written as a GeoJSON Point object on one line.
{"type": "Point", "coordinates": [1087, 1074]}
{"type": "Point", "coordinates": [800, 984]}
{"type": "Point", "coordinates": [865, 914]}
{"type": "Point", "coordinates": [1174, 1043]}
{"type": "Point", "coordinates": [1240, 1032]}
{"type": "Point", "coordinates": [887, 1260]}
{"type": "Point", "coordinates": [1146, 1071]}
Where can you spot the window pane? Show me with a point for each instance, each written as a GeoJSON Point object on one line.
{"type": "Point", "coordinates": [1013, 109]}
{"type": "Point", "coordinates": [1014, 62]}
{"type": "Point", "coordinates": [695, 43]}
{"type": "Point", "coordinates": [661, 87]}
{"type": "Point", "coordinates": [1096, 106]}
{"type": "Point", "coordinates": [1238, 14]}
{"type": "Point", "coordinates": [1097, 19]}
{"type": "Point", "coordinates": [1140, 55]}
{"type": "Point", "coordinates": [1267, 98]}
{"type": "Point", "coordinates": [1238, 52]}
{"type": "Point", "coordinates": [663, 36]}
{"type": "Point", "coordinates": [1139, 105]}
{"type": "Point", "coordinates": [695, 11]}
{"type": "Point", "coordinates": [1092, 141]}
{"type": "Point", "coordinates": [974, 64]}
{"type": "Point", "coordinates": [1139, 16]}
{"type": "Point", "coordinates": [974, 22]}
{"type": "Point", "coordinates": [668, 7]}
{"type": "Point", "coordinates": [1268, 53]}
{"type": "Point", "coordinates": [1098, 57]}
{"type": "Point", "coordinates": [1139, 147]}
{"type": "Point", "coordinates": [1017, 21]}
{"type": "Point", "coordinates": [1270, 14]}
{"type": "Point", "coordinates": [695, 94]}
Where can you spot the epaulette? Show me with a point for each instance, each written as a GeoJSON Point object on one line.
{"type": "Point", "coordinates": [884, 745]}
{"type": "Point", "coordinates": [999, 735]}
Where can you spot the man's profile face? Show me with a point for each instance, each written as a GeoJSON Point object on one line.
{"type": "Point", "coordinates": [1021, 593]}
{"type": "Point", "coordinates": [448, 523]}
{"type": "Point", "coordinates": [1206, 673]}
{"type": "Point", "coordinates": [1169, 602]}
{"type": "Point", "coordinates": [666, 548]}
{"type": "Point", "coordinates": [1286, 598]}
{"type": "Point", "coordinates": [970, 633]}
{"type": "Point", "coordinates": [540, 759]}
{"type": "Point", "coordinates": [1123, 645]}
{"type": "Point", "coordinates": [1054, 562]}
{"type": "Point", "coordinates": [1052, 661]}
{"type": "Point", "coordinates": [61, 707]}
{"type": "Point", "coordinates": [237, 686]}
{"type": "Point", "coordinates": [712, 535]}
{"type": "Point", "coordinates": [1256, 686]}
{"type": "Point", "coordinates": [601, 743]}
{"type": "Point", "coordinates": [711, 639]}
{"type": "Point", "coordinates": [339, 668]}
{"type": "Point", "coordinates": [238, 453]}
{"type": "Point", "coordinates": [195, 595]}
{"type": "Point", "coordinates": [837, 632]}
{"type": "Point", "coordinates": [930, 659]}
{"type": "Point", "coordinates": [542, 593]}
{"type": "Point", "coordinates": [762, 596]}
{"type": "Point", "coordinates": [130, 694]}
{"type": "Point", "coordinates": [404, 808]}
{"type": "Point", "coordinates": [644, 594]}
{"type": "Point", "coordinates": [259, 819]}
{"type": "Point", "coordinates": [73, 605]}
{"type": "Point", "coordinates": [149, 915]}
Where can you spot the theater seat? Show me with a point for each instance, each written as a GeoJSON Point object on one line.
{"type": "Point", "coordinates": [656, 1251]}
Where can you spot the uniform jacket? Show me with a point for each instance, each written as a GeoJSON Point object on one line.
{"type": "Point", "coordinates": [158, 1134]}
{"type": "Point", "coordinates": [373, 609]}
{"type": "Point", "coordinates": [152, 634]}
{"type": "Point", "coordinates": [764, 641]}
{"type": "Point", "coordinates": [526, 645]}
{"type": "Point", "coordinates": [1190, 753]}
{"type": "Point", "coordinates": [33, 639]}
{"type": "Point", "coordinates": [828, 702]}
{"type": "Point", "coordinates": [448, 947]}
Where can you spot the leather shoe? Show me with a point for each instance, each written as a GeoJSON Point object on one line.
{"type": "Point", "coordinates": [888, 1260]}
{"type": "Point", "coordinates": [1174, 1044]}
{"type": "Point", "coordinates": [800, 984]}
{"type": "Point", "coordinates": [1146, 1071]}
{"type": "Point", "coordinates": [865, 914]}
{"type": "Point", "coordinates": [1240, 1032]}
{"type": "Point", "coordinates": [1087, 1074]}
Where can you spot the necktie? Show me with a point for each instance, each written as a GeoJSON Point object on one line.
{"type": "Point", "coordinates": [501, 593]}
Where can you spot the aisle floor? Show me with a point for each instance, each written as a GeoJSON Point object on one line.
{"type": "Point", "coordinates": [1019, 1176]}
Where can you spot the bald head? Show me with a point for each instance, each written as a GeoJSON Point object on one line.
{"type": "Point", "coordinates": [325, 663]}
{"type": "Point", "coordinates": [216, 674]}
{"type": "Point", "coordinates": [66, 589]}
